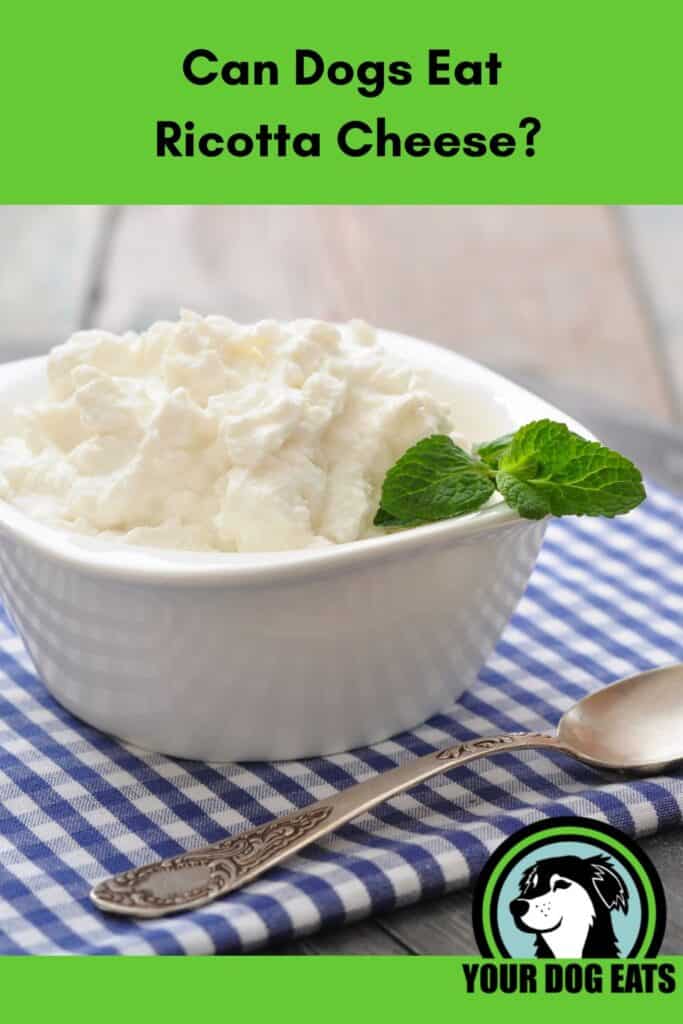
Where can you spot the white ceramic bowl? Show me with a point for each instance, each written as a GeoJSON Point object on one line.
{"type": "Point", "coordinates": [246, 657]}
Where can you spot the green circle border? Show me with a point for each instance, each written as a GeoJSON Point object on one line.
{"type": "Point", "coordinates": [560, 831]}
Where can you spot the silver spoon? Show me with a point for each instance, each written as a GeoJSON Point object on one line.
{"type": "Point", "coordinates": [635, 725]}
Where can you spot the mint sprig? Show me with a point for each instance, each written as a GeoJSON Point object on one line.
{"type": "Point", "coordinates": [542, 469]}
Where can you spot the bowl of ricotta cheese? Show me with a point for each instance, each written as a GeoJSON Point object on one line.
{"type": "Point", "coordinates": [187, 544]}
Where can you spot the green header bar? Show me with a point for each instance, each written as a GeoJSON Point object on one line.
{"type": "Point", "coordinates": [436, 102]}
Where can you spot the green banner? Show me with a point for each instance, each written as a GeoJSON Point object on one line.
{"type": "Point", "coordinates": [336, 989]}
{"type": "Point", "coordinates": [437, 102]}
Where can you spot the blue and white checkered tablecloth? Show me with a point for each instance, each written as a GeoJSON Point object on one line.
{"type": "Point", "coordinates": [605, 600]}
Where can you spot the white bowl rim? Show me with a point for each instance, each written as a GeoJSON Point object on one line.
{"type": "Point", "coordinates": [139, 563]}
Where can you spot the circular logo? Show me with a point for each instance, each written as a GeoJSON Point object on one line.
{"type": "Point", "coordinates": [569, 888]}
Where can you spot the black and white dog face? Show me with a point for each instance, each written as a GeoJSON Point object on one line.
{"type": "Point", "coordinates": [566, 902]}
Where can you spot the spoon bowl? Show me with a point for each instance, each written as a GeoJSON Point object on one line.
{"type": "Point", "coordinates": [634, 725]}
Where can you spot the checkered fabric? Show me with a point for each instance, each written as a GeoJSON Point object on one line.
{"type": "Point", "coordinates": [605, 600]}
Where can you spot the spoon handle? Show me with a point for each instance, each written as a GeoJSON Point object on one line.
{"type": "Point", "coordinates": [200, 876]}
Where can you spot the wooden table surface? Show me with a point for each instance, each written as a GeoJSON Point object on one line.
{"type": "Point", "coordinates": [585, 304]}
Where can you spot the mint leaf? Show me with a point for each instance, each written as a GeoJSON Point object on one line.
{"type": "Point", "coordinates": [384, 518]}
{"type": "Point", "coordinates": [549, 470]}
{"type": "Point", "coordinates": [522, 497]}
{"type": "Point", "coordinates": [435, 479]}
{"type": "Point", "coordinates": [491, 451]}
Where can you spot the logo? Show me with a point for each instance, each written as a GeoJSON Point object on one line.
{"type": "Point", "coordinates": [570, 888]}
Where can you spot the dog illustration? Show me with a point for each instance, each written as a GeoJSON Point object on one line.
{"type": "Point", "coordinates": [567, 902]}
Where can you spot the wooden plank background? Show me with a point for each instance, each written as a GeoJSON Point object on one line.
{"type": "Point", "coordinates": [586, 297]}
{"type": "Point", "coordinates": [584, 303]}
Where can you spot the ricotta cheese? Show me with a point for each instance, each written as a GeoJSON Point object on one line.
{"type": "Point", "coordinates": [204, 434]}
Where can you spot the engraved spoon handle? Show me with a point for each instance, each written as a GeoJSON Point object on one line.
{"type": "Point", "coordinates": [195, 878]}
